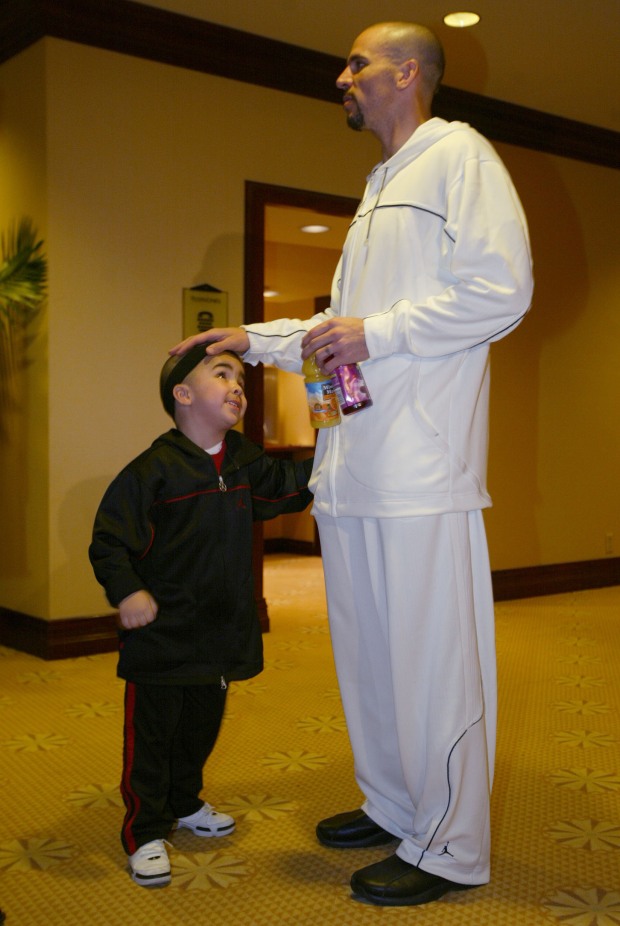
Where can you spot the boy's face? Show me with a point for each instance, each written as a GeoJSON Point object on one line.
{"type": "Point", "coordinates": [215, 391]}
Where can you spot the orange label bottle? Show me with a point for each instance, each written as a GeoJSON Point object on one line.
{"type": "Point", "coordinates": [320, 395]}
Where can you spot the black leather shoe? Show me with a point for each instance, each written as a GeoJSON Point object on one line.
{"type": "Point", "coordinates": [352, 830]}
{"type": "Point", "coordinates": [395, 883]}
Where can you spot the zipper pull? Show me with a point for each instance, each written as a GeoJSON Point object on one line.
{"type": "Point", "coordinates": [223, 684]}
{"type": "Point", "coordinates": [223, 486]}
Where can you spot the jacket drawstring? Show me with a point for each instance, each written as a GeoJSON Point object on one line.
{"type": "Point", "coordinates": [376, 203]}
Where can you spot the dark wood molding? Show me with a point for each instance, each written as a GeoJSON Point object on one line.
{"type": "Point", "coordinates": [60, 639]}
{"type": "Point", "coordinates": [534, 581]}
{"type": "Point", "coordinates": [82, 636]}
{"type": "Point", "coordinates": [257, 197]}
{"type": "Point", "coordinates": [289, 546]}
{"type": "Point", "coordinates": [529, 128]}
{"type": "Point", "coordinates": [72, 636]}
{"type": "Point", "coordinates": [182, 41]}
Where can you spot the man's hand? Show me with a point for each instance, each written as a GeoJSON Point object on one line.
{"type": "Point", "coordinates": [217, 340]}
{"type": "Point", "coordinates": [137, 610]}
{"type": "Point", "coordinates": [336, 341]}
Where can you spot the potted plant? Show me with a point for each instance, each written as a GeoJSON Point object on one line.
{"type": "Point", "coordinates": [23, 278]}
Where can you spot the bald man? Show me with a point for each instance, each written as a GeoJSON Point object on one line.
{"type": "Point", "coordinates": [436, 266]}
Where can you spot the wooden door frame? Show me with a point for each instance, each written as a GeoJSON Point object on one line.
{"type": "Point", "coordinates": [257, 197]}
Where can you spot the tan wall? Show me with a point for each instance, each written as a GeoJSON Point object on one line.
{"type": "Point", "coordinates": [24, 432]}
{"type": "Point", "coordinates": [555, 429]}
{"type": "Point", "coordinates": [141, 193]}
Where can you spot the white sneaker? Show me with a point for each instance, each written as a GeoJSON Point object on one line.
{"type": "Point", "coordinates": [208, 822]}
{"type": "Point", "coordinates": [149, 864]}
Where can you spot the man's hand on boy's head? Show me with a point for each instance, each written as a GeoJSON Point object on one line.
{"type": "Point", "coordinates": [215, 340]}
{"type": "Point", "coordinates": [137, 610]}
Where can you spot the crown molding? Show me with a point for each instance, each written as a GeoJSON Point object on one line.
{"type": "Point", "coordinates": [182, 41]}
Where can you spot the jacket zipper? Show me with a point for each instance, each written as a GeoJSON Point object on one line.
{"type": "Point", "coordinates": [375, 204]}
{"type": "Point", "coordinates": [334, 437]}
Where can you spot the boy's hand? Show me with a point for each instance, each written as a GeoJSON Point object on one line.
{"type": "Point", "coordinates": [137, 610]}
{"type": "Point", "coordinates": [216, 340]}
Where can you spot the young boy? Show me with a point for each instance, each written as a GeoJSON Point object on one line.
{"type": "Point", "coordinates": [172, 547]}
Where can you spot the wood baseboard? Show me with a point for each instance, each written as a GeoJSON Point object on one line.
{"type": "Point", "coordinates": [533, 581]}
{"type": "Point", "coordinates": [60, 639]}
{"type": "Point", "coordinates": [84, 636]}
{"type": "Point", "coordinates": [283, 545]}
{"type": "Point", "coordinates": [74, 636]}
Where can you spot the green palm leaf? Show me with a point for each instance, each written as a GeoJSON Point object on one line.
{"type": "Point", "coordinates": [23, 274]}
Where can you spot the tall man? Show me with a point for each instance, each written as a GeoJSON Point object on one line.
{"type": "Point", "coordinates": [435, 267]}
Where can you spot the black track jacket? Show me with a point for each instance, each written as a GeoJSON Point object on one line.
{"type": "Point", "coordinates": [169, 524]}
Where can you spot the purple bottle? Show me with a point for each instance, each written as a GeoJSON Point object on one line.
{"type": "Point", "coordinates": [351, 389]}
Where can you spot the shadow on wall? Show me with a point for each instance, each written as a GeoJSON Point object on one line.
{"type": "Point", "coordinates": [466, 61]}
{"type": "Point", "coordinates": [18, 354]}
{"type": "Point", "coordinates": [73, 582]}
{"type": "Point", "coordinates": [222, 267]}
{"type": "Point", "coordinates": [560, 297]}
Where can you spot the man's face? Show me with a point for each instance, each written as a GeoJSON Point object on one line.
{"type": "Point", "coordinates": [368, 82]}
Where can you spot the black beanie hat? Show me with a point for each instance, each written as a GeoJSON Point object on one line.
{"type": "Point", "coordinates": [174, 371]}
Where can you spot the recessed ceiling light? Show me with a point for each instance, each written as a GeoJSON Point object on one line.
{"type": "Point", "coordinates": [270, 293]}
{"type": "Point", "coordinates": [461, 20]}
{"type": "Point", "coordinates": [314, 229]}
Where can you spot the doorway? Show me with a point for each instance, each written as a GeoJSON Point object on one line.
{"type": "Point", "coordinates": [283, 206]}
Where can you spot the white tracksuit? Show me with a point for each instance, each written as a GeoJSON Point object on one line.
{"type": "Point", "coordinates": [437, 262]}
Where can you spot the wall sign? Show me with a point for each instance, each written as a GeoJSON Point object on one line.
{"type": "Point", "coordinates": [204, 307]}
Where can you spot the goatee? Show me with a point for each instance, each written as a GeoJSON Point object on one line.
{"type": "Point", "coordinates": [355, 121]}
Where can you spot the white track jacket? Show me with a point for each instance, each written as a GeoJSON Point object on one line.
{"type": "Point", "coordinates": [437, 263]}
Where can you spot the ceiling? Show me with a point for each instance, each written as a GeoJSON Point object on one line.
{"type": "Point", "coordinates": [302, 273]}
{"type": "Point", "coordinates": [555, 56]}
{"type": "Point", "coordinates": [284, 224]}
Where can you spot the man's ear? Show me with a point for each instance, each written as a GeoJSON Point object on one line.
{"type": "Point", "coordinates": [407, 73]}
{"type": "Point", "coordinates": [182, 393]}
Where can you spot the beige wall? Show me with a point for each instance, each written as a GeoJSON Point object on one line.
{"type": "Point", "coordinates": [24, 432]}
{"type": "Point", "coordinates": [555, 427]}
{"type": "Point", "coordinates": [136, 178]}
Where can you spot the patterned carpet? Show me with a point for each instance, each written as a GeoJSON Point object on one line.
{"type": "Point", "coordinates": [283, 762]}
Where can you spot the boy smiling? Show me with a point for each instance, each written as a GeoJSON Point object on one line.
{"type": "Point", "coordinates": [172, 547]}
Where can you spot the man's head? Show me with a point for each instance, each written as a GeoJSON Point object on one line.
{"type": "Point", "coordinates": [391, 66]}
{"type": "Point", "coordinates": [209, 388]}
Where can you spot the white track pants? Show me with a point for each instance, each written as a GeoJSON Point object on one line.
{"type": "Point", "coordinates": [412, 624]}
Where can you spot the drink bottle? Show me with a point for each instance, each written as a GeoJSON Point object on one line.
{"type": "Point", "coordinates": [320, 395]}
{"type": "Point", "coordinates": [351, 389]}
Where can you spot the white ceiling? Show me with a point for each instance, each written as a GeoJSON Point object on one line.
{"type": "Point", "coordinates": [556, 56]}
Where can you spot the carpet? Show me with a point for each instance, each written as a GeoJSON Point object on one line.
{"type": "Point", "coordinates": [282, 762]}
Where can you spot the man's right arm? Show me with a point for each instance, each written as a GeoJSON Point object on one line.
{"type": "Point", "coordinates": [277, 342]}
{"type": "Point", "coordinates": [216, 340]}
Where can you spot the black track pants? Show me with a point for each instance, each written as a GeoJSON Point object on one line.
{"type": "Point", "coordinates": [169, 733]}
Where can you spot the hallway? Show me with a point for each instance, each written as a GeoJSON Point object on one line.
{"type": "Point", "coordinates": [283, 762]}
